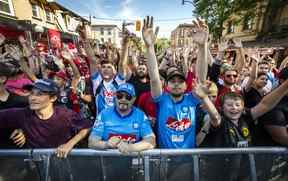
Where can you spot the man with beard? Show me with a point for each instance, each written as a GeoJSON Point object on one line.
{"type": "Point", "coordinates": [140, 81]}
{"type": "Point", "coordinates": [176, 110]}
{"type": "Point", "coordinates": [229, 84]}
{"type": "Point", "coordinates": [123, 127]}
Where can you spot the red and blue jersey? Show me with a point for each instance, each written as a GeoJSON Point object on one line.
{"type": "Point", "coordinates": [104, 92]}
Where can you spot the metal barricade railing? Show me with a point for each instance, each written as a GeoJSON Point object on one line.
{"type": "Point", "coordinates": [46, 160]}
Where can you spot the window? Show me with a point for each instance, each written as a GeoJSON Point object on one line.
{"type": "Point", "coordinates": [6, 7]}
{"type": "Point", "coordinates": [102, 31]}
{"type": "Point", "coordinates": [109, 31]}
{"type": "Point", "coordinates": [248, 22]}
{"type": "Point", "coordinates": [231, 27]}
{"type": "Point", "coordinates": [35, 11]}
{"type": "Point", "coordinates": [102, 40]}
{"type": "Point", "coordinates": [49, 15]}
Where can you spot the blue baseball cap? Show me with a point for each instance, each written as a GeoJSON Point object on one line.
{"type": "Point", "coordinates": [45, 85]}
{"type": "Point", "coordinates": [128, 88]}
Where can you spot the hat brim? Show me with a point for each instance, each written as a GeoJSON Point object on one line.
{"type": "Point", "coordinates": [176, 74]}
{"type": "Point", "coordinates": [40, 87]}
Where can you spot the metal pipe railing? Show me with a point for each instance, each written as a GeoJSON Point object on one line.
{"type": "Point", "coordinates": [154, 152]}
{"type": "Point", "coordinates": [45, 156]}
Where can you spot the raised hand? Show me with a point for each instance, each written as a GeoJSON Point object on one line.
{"type": "Point", "coordinates": [66, 54]}
{"type": "Point", "coordinates": [14, 52]}
{"type": "Point", "coordinates": [238, 43]}
{"type": "Point", "coordinates": [2, 39]}
{"type": "Point", "coordinates": [83, 31]}
{"type": "Point", "coordinates": [254, 54]}
{"type": "Point", "coordinates": [200, 90]}
{"type": "Point", "coordinates": [22, 40]}
{"type": "Point", "coordinates": [200, 32]}
{"type": "Point", "coordinates": [223, 45]}
{"type": "Point", "coordinates": [148, 34]}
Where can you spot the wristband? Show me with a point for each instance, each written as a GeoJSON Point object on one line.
{"type": "Point", "coordinates": [204, 131]}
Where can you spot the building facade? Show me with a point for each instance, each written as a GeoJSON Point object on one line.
{"type": "Point", "coordinates": [31, 17]}
{"type": "Point", "coordinates": [269, 28]}
{"type": "Point", "coordinates": [106, 33]}
{"type": "Point", "coordinates": [180, 36]}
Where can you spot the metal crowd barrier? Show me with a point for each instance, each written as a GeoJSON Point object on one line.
{"type": "Point", "coordinates": [86, 164]}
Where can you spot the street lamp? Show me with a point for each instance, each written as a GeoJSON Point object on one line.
{"type": "Point", "coordinates": [185, 1]}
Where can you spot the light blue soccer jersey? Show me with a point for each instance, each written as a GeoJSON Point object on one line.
{"type": "Point", "coordinates": [176, 121]}
{"type": "Point", "coordinates": [131, 128]}
{"type": "Point", "coordinates": [104, 92]}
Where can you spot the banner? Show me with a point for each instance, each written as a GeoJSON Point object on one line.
{"type": "Point", "coordinates": [54, 38]}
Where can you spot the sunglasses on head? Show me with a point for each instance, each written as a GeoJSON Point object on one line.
{"type": "Point", "coordinates": [120, 96]}
{"type": "Point", "coordinates": [230, 75]}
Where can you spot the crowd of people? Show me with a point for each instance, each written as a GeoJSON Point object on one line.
{"type": "Point", "coordinates": [101, 97]}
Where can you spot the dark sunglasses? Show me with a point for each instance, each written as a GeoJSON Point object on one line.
{"type": "Point", "coordinates": [229, 76]}
{"type": "Point", "coordinates": [120, 96]}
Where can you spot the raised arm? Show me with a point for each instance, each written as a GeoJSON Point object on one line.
{"type": "Point", "coordinates": [200, 36]}
{"type": "Point", "coordinates": [17, 55]}
{"type": "Point", "coordinates": [283, 63]}
{"type": "Point", "coordinates": [67, 55]}
{"type": "Point", "coordinates": [123, 68]}
{"type": "Point", "coordinates": [270, 100]}
{"type": "Point", "coordinates": [94, 61]}
{"type": "Point", "coordinates": [253, 74]}
{"type": "Point", "coordinates": [149, 38]}
{"type": "Point", "coordinates": [215, 117]}
{"type": "Point", "coordinates": [240, 57]}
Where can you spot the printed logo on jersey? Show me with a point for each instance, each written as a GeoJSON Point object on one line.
{"type": "Point", "coordinates": [176, 125]}
{"type": "Point", "coordinates": [124, 137]}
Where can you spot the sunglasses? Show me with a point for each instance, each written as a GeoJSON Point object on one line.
{"type": "Point", "coordinates": [230, 75]}
{"type": "Point", "coordinates": [120, 96]}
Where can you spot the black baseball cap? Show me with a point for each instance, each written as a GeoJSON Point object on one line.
{"type": "Point", "coordinates": [172, 72]}
{"type": "Point", "coordinates": [4, 70]}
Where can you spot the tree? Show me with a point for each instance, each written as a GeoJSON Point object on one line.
{"type": "Point", "coordinates": [216, 12]}
{"type": "Point", "coordinates": [162, 44]}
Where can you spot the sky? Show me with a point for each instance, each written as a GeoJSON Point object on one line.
{"type": "Point", "coordinates": [168, 14]}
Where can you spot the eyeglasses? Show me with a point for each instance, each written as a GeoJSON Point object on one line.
{"type": "Point", "coordinates": [231, 75]}
{"type": "Point", "coordinates": [120, 96]}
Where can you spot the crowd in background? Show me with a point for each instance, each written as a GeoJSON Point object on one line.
{"type": "Point", "coordinates": [102, 97]}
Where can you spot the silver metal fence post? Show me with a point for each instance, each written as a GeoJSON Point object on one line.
{"type": "Point", "coordinates": [252, 167]}
{"type": "Point", "coordinates": [103, 166]}
{"type": "Point", "coordinates": [146, 168]}
{"type": "Point", "coordinates": [47, 166]}
{"type": "Point", "coordinates": [196, 167]}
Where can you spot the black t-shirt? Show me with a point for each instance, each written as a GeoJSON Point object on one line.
{"type": "Point", "coordinates": [227, 134]}
{"type": "Point", "coordinates": [276, 117]}
{"type": "Point", "coordinates": [252, 97]}
{"type": "Point", "coordinates": [139, 86]}
{"type": "Point", "coordinates": [13, 101]}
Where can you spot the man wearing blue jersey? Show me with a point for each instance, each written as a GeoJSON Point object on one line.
{"type": "Point", "coordinates": [104, 76]}
{"type": "Point", "coordinates": [123, 127]}
{"type": "Point", "coordinates": [176, 110]}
